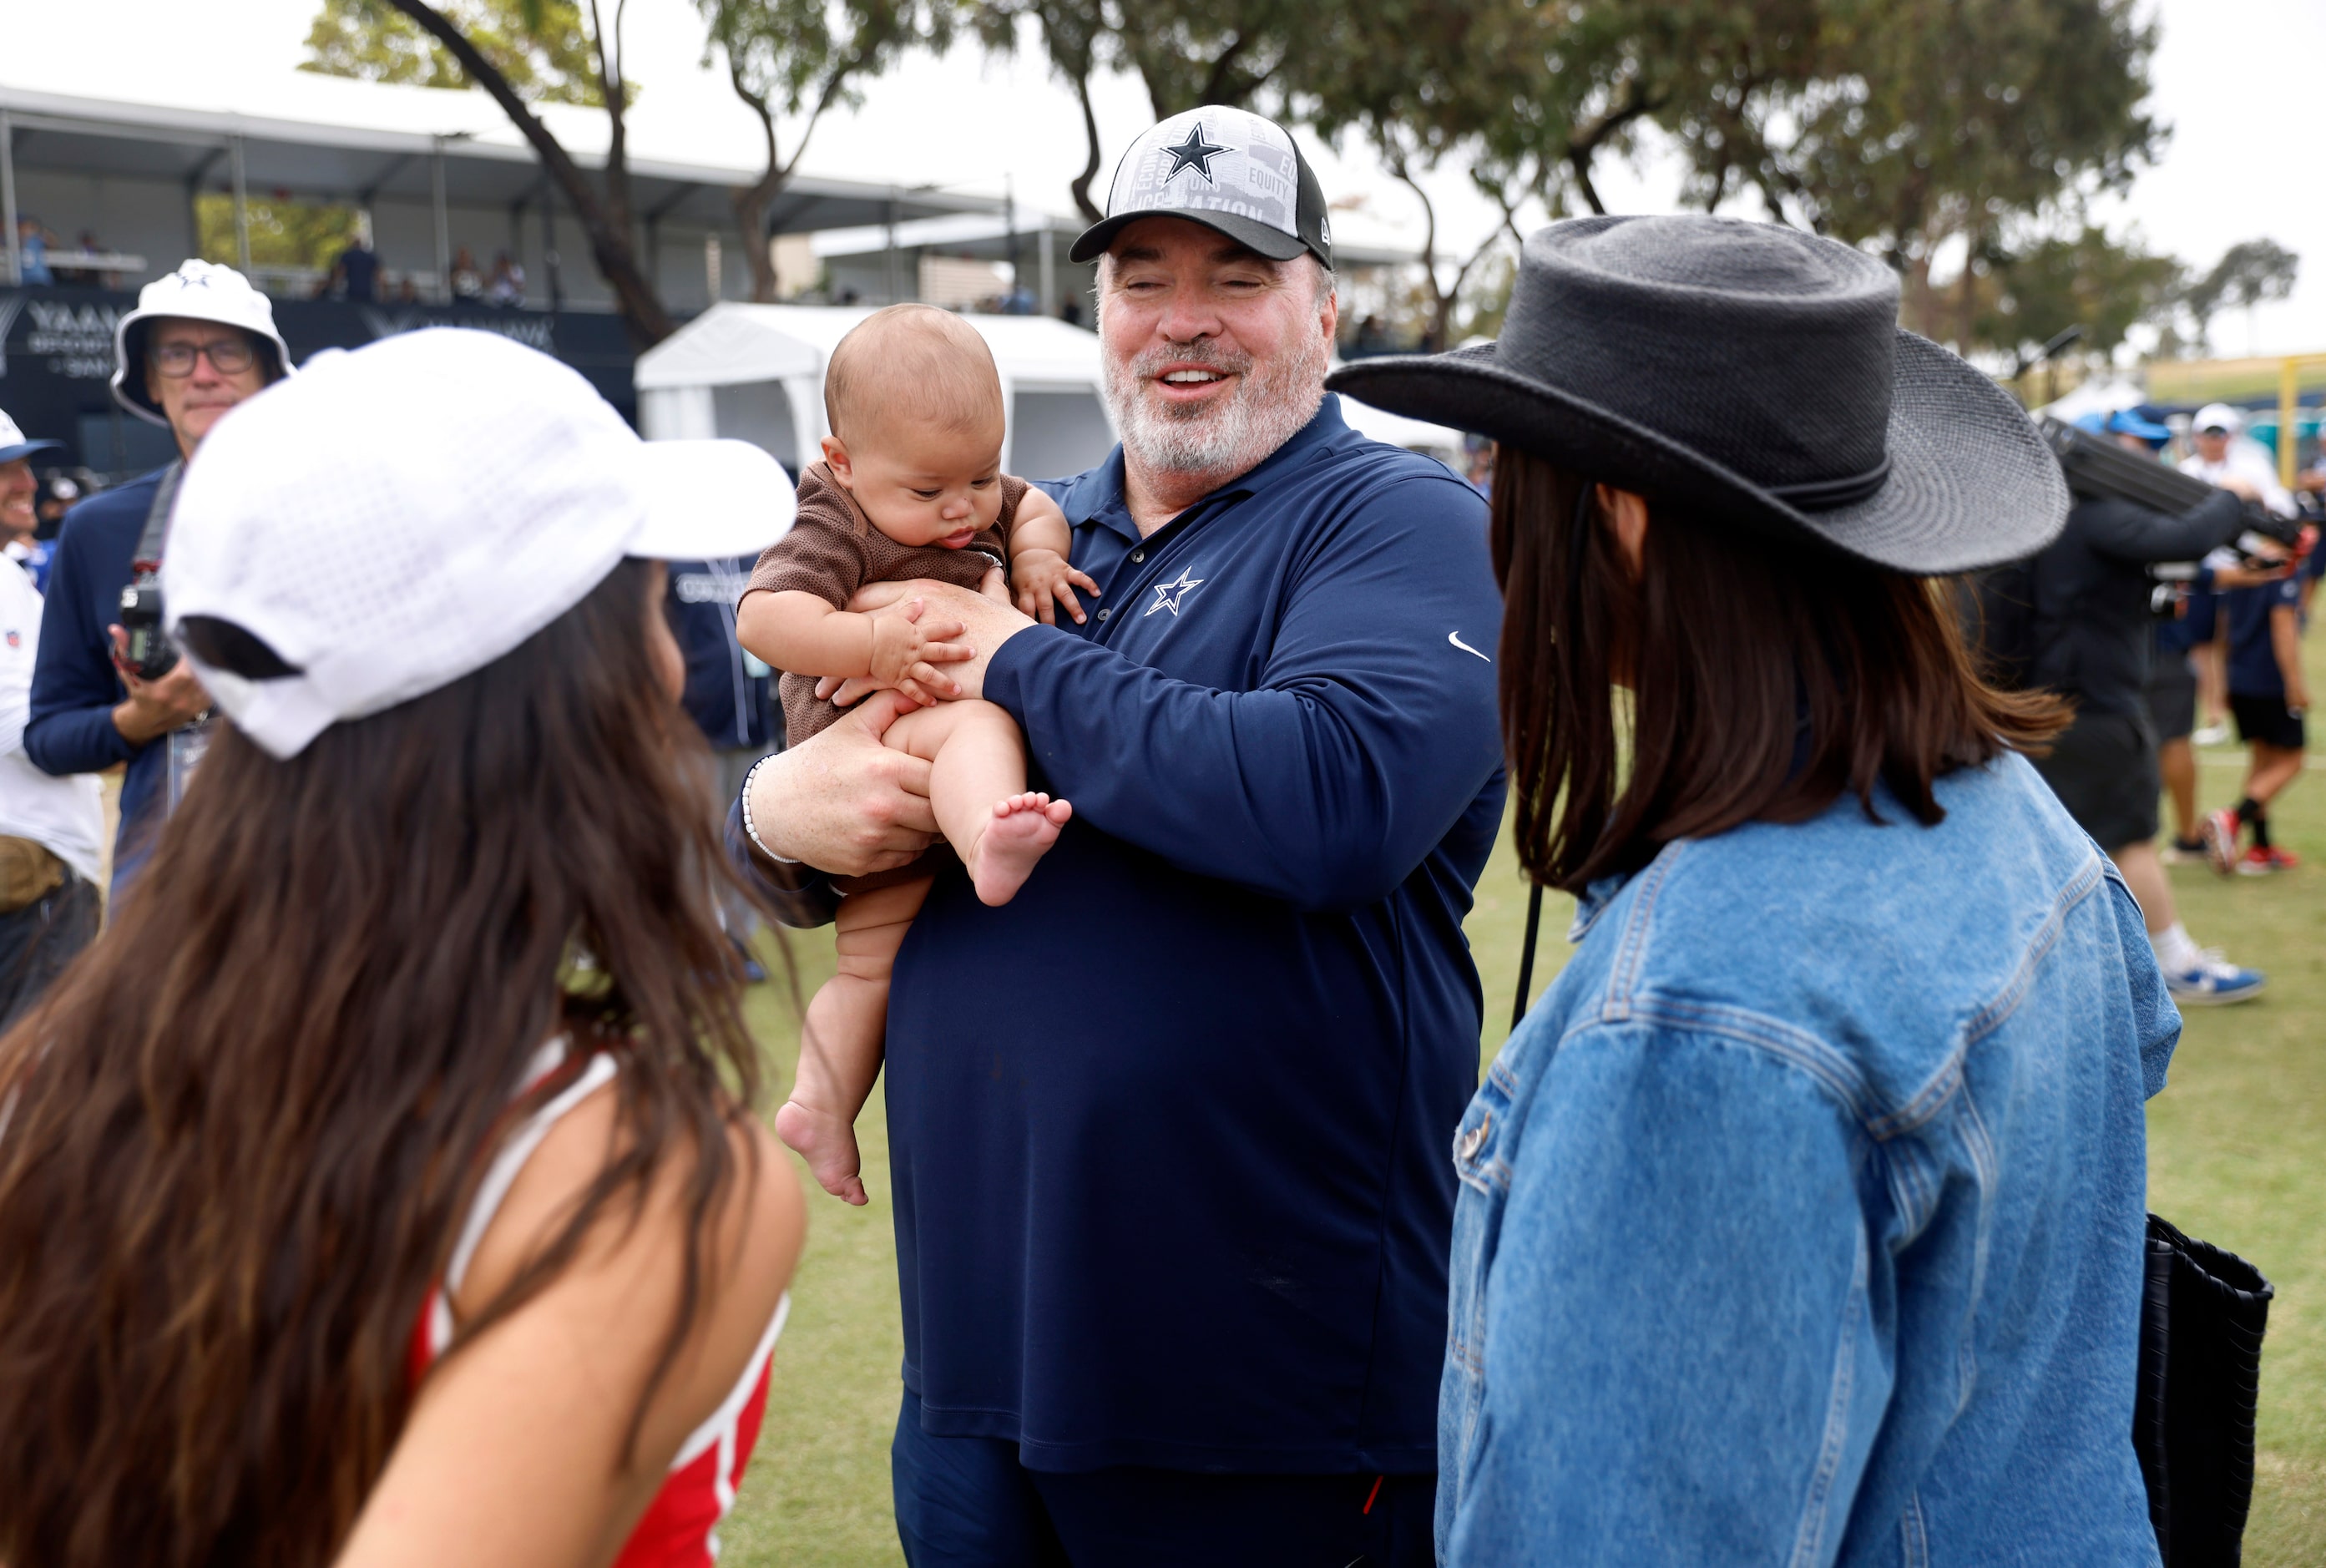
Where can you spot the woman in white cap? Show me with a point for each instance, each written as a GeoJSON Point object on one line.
{"type": "Point", "coordinates": [384, 1186]}
{"type": "Point", "coordinates": [1801, 1220]}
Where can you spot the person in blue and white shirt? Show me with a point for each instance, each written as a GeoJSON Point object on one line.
{"type": "Point", "coordinates": [50, 828]}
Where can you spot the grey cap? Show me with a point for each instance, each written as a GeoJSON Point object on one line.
{"type": "Point", "coordinates": [1228, 169]}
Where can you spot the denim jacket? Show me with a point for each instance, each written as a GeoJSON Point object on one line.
{"type": "Point", "coordinates": [1801, 1220]}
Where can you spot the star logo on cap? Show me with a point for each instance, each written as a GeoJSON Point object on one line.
{"type": "Point", "coordinates": [1196, 154]}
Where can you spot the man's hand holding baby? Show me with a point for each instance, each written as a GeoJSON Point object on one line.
{"type": "Point", "coordinates": [907, 647]}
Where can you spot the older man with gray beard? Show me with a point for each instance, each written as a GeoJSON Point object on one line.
{"type": "Point", "coordinates": [1173, 1206]}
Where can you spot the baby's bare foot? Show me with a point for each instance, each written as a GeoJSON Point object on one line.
{"type": "Point", "coordinates": [827, 1143]}
{"type": "Point", "coordinates": [1023, 828]}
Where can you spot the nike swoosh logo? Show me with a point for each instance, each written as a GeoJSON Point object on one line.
{"type": "Point", "coordinates": [1456, 638]}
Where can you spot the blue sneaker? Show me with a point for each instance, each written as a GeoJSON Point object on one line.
{"type": "Point", "coordinates": [2213, 981]}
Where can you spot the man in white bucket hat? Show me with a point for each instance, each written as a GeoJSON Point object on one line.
{"type": "Point", "coordinates": [200, 341]}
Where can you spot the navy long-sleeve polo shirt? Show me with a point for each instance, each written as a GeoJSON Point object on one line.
{"type": "Point", "coordinates": [1169, 1130]}
{"type": "Point", "coordinates": [75, 686]}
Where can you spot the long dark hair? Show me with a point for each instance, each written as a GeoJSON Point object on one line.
{"type": "Point", "coordinates": [1765, 678]}
{"type": "Point", "coordinates": [237, 1141]}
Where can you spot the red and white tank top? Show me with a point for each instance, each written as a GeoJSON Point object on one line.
{"type": "Point", "coordinates": [679, 1528]}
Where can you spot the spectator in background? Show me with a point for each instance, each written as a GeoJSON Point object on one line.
{"type": "Point", "coordinates": [20, 517]}
{"type": "Point", "coordinates": [507, 285]}
{"type": "Point", "coordinates": [2269, 696]}
{"type": "Point", "coordinates": [2222, 451]}
{"type": "Point", "coordinates": [728, 694]}
{"type": "Point", "coordinates": [200, 341]}
{"type": "Point", "coordinates": [2172, 701]}
{"type": "Point", "coordinates": [33, 253]}
{"type": "Point", "coordinates": [51, 830]}
{"type": "Point", "coordinates": [57, 498]}
{"type": "Point", "coordinates": [468, 282]}
{"type": "Point", "coordinates": [1478, 463]}
{"type": "Point", "coordinates": [2092, 643]}
{"type": "Point", "coordinates": [355, 275]}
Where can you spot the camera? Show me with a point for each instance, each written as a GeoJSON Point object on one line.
{"type": "Point", "coordinates": [152, 654]}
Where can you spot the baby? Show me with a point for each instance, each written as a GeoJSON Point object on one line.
{"type": "Point", "coordinates": [909, 486]}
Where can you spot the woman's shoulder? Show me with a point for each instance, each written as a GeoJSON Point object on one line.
{"type": "Point", "coordinates": [1870, 936]}
{"type": "Point", "coordinates": [628, 1272]}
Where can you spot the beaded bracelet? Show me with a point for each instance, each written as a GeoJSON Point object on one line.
{"type": "Point", "coordinates": [751, 831]}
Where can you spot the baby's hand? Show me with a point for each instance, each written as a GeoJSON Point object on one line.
{"type": "Point", "coordinates": [906, 650]}
{"type": "Point", "coordinates": [1045, 581]}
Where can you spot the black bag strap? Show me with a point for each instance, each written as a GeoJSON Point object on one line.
{"type": "Point", "coordinates": [157, 519]}
{"type": "Point", "coordinates": [1526, 954]}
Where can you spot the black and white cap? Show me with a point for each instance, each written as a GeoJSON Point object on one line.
{"type": "Point", "coordinates": [1226, 168]}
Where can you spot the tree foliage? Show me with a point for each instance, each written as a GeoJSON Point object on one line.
{"type": "Point", "coordinates": [601, 205]}
{"type": "Point", "coordinates": [1185, 53]}
{"type": "Point", "coordinates": [802, 58]}
{"type": "Point", "coordinates": [2249, 273]}
{"type": "Point", "coordinates": [2087, 279]}
{"type": "Point", "coordinates": [1912, 127]}
{"type": "Point", "coordinates": [283, 233]}
{"type": "Point", "coordinates": [542, 47]}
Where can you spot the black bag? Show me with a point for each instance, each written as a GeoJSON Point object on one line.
{"type": "Point", "coordinates": [2202, 1312]}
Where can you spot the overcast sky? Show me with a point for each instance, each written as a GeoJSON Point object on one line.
{"type": "Point", "coordinates": [2239, 80]}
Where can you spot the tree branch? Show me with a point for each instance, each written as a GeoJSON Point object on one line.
{"type": "Point", "coordinates": [610, 244]}
{"type": "Point", "coordinates": [1633, 104]}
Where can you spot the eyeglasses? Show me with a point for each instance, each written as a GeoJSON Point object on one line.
{"type": "Point", "coordinates": [228, 357]}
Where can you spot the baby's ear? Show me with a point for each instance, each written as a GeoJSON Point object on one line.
{"type": "Point", "coordinates": [836, 458]}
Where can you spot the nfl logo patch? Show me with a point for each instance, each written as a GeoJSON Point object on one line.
{"type": "Point", "coordinates": [15, 637]}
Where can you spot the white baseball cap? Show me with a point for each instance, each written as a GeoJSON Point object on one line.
{"type": "Point", "coordinates": [14, 444]}
{"type": "Point", "coordinates": [2219, 416]}
{"type": "Point", "coordinates": [198, 291]}
{"type": "Point", "coordinates": [1228, 169]}
{"type": "Point", "coordinates": [406, 513]}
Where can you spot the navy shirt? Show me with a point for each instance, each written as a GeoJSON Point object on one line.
{"type": "Point", "coordinates": [2253, 656]}
{"type": "Point", "coordinates": [1169, 1132]}
{"type": "Point", "coordinates": [75, 686]}
{"type": "Point", "coordinates": [727, 691]}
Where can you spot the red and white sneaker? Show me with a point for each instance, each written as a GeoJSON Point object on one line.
{"type": "Point", "coordinates": [2261, 861]}
{"type": "Point", "coordinates": [2219, 832]}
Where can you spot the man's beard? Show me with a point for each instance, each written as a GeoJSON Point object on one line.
{"type": "Point", "coordinates": [1271, 403]}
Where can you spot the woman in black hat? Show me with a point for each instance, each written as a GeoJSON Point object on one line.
{"type": "Point", "coordinates": [1803, 1217]}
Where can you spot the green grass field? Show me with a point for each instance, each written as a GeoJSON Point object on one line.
{"type": "Point", "coordinates": [2236, 1156]}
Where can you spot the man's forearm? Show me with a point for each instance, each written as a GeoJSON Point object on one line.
{"type": "Point", "coordinates": [799, 895]}
{"type": "Point", "coordinates": [76, 741]}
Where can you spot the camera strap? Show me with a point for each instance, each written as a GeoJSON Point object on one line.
{"type": "Point", "coordinates": [186, 744]}
{"type": "Point", "coordinates": [150, 542]}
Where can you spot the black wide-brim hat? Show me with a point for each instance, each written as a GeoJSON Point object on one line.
{"type": "Point", "coordinates": [1750, 372]}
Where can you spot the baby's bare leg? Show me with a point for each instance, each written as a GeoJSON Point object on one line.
{"type": "Point", "coordinates": [840, 1038]}
{"type": "Point", "coordinates": [977, 789]}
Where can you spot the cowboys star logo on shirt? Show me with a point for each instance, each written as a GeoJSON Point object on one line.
{"type": "Point", "coordinates": [1169, 594]}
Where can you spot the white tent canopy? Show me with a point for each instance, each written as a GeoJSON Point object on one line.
{"type": "Point", "coordinates": [2095, 397]}
{"type": "Point", "coordinates": [756, 372]}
